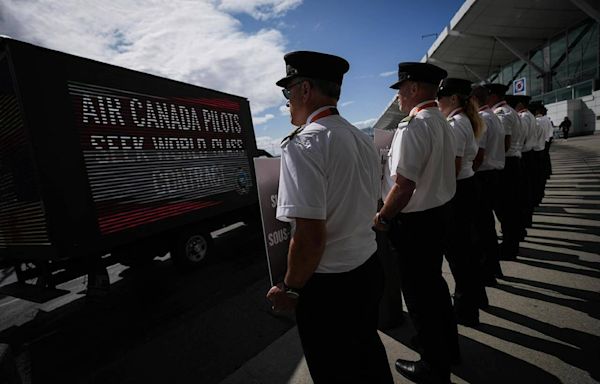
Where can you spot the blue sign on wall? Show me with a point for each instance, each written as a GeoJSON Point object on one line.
{"type": "Point", "coordinates": [520, 86]}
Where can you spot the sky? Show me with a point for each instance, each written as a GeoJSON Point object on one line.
{"type": "Point", "coordinates": [237, 46]}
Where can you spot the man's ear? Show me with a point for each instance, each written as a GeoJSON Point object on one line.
{"type": "Point", "coordinates": [305, 89]}
{"type": "Point", "coordinates": [414, 88]}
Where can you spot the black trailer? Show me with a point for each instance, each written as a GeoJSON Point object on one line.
{"type": "Point", "coordinates": [97, 159]}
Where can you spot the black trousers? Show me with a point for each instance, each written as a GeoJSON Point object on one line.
{"type": "Point", "coordinates": [546, 166]}
{"type": "Point", "coordinates": [461, 252]}
{"type": "Point", "coordinates": [420, 239]}
{"type": "Point", "coordinates": [486, 224]}
{"type": "Point", "coordinates": [509, 209]}
{"type": "Point", "coordinates": [391, 313]}
{"type": "Point", "coordinates": [538, 177]}
{"type": "Point", "coordinates": [547, 161]}
{"type": "Point", "coordinates": [337, 323]}
{"type": "Point", "coordinates": [528, 172]}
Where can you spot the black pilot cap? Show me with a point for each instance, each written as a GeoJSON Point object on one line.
{"type": "Point", "coordinates": [536, 105]}
{"type": "Point", "coordinates": [421, 72]}
{"type": "Point", "coordinates": [497, 88]}
{"type": "Point", "coordinates": [511, 100]}
{"type": "Point", "coordinates": [524, 99]}
{"type": "Point", "coordinates": [453, 86]}
{"type": "Point", "coordinates": [314, 65]}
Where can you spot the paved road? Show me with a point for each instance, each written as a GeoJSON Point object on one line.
{"type": "Point", "coordinates": [156, 326]}
{"type": "Point", "coordinates": [543, 325]}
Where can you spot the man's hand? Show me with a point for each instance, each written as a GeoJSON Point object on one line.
{"type": "Point", "coordinates": [378, 225]}
{"type": "Point", "coordinates": [281, 301]}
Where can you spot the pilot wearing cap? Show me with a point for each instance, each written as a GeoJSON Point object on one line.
{"type": "Point", "coordinates": [539, 147]}
{"type": "Point", "coordinates": [508, 208]}
{"type": "Point", "coordinates": [419, 182]}
{"type": "Point", "coordinates": [544, 122]}
{"type": "Point", "coordinates": [529, 171]}
{"type": "Point", "coordinates": [488, 164]}
{"type": "Point", "coordinates": [329, 186]}
{"type": "Point", "coordinates": [454, 101]}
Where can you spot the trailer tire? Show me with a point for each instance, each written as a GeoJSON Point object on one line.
{"type": "Point", "coordinates": [192, 249]}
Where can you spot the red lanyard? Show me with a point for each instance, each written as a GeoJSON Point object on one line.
{"type": "Point", "coordinates": [483, 108]}
{"type": "Point", "coordinates": [428, 105]}
{"type": "Point", "coordinates": [325, 113]}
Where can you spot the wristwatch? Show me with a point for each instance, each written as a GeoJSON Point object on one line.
{"type": "Point", "coordinates": [382, 220]}
{"type": "Point", "coordinates": [292, 293]}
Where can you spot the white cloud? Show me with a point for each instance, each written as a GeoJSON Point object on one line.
{"type": "Point", "coordinates": [387, 74]}
{"type": "Point", "coordinates": [258, 120]}
{"type": "Point", "coordinates": [346, 103]}
{"type": "Point", "coordinates": [285, 110]}
{"type": "Point", "coordinates": [269, 144]}
{"type": "Point", "coordinates": [365, 123]}
{"type": "Point", "coordinates": [192, 41]}
{"type": "Point", "coordinates": [259, 9]}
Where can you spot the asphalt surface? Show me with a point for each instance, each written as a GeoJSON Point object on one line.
{"type": "Point", "coordinates": [213, 325]}
{"type": "Point", "coordinates": [156, 325]}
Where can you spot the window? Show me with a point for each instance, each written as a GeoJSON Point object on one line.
{"type": "Point", "coordinates": [535, 84]}
{"type": "Point", "coordinates": [561, 77]}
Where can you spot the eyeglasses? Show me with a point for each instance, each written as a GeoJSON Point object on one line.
{"type": "Point", "coordinates": [287, 92]}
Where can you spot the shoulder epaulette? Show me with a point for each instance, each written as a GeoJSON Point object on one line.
{"type": "Point", "coordinates": [291, 135]}
{"type": "Point", "coordinates": [404, 122]}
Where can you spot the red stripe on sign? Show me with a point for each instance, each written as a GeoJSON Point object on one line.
{"type": "Point", "coordinates": [134, 218]}
{"type": "Point", "coordinates": [218, 103]}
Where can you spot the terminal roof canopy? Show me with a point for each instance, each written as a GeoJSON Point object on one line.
{"type": "Point", "coordinates": [485, 35]}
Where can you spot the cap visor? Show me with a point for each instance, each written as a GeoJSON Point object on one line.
{"type": "Point", "coordinates": [396, 85]}
{"type": "Point", "coordinates": [285, 81]}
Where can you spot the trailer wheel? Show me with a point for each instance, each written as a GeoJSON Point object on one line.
{"type": "Point", "coordinates": [192, 249]}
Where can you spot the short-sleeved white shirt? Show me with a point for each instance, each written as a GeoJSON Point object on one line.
{"type": "Point", "coordinates": [423, 151]}
{"type": "Point", "coordinates": [530, 130]}
{"type": "Point", "coordinates": [541, 131]}
{"type": "Point", "coordinates": [466, 145]}
{"type": "Point", "coordinates": [331, 171]}
{"type": "Point", "coordinates": [546, 124]}
{"type": "Point", "coordinates": [512, 127]}
{"type": "Point", "coordinates": [492, 140]}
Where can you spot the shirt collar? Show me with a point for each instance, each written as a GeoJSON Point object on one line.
{"type": "Point", "coordinates": [420, 106]}
{"type": "Point", "coordinates": [455, 112]}
{"type": "Point", "coordinates": [316, 112]}
{"type": "Point", "coordinates": [499, 104]}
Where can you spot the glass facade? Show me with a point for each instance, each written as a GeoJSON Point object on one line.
{"type": "Point", "coordinates": [573, 59]}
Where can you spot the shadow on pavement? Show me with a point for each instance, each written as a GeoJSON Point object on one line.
{"type": "Point", "coordinates": [561, 268]}
{"type": "Point", "coordinates": [482, 363]}
{"type": "Point", "coordinates": [583, 351]}
{"type": "Point", "coordinates": [553, 256]}
{"type": "Point", "coordinates": [157, 325]}
{"type": "Point", "coordinates": [586, 301]}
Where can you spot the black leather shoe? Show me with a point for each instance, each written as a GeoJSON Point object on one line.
{"type": "Point", "coordinates": [421, 373]}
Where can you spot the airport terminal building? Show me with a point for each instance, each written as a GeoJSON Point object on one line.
{"type": "Point", "coordinates": [547, 49]}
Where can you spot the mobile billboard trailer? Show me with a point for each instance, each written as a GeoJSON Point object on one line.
{"type": "Point", "coordinates": [98, 159]}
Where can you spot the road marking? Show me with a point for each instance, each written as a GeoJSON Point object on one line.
{"type": "Point", "coordinates": [9, 302]}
